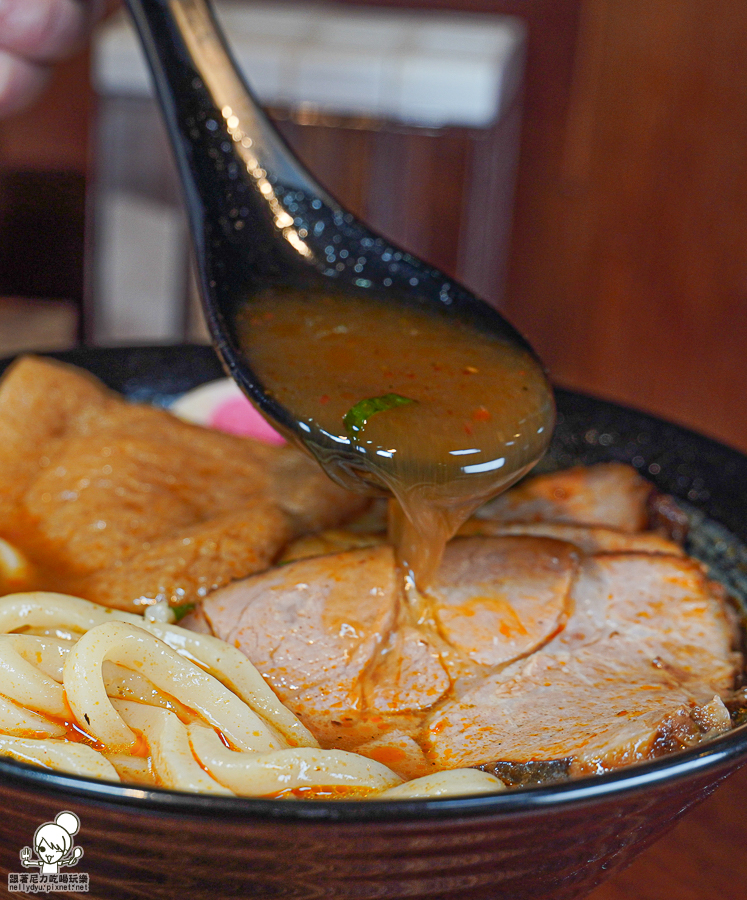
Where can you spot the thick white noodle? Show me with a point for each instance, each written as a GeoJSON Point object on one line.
{"type": "Point", "coordinates": [173, 762]}
{"type": "Point", "coordinates": [124, 676]}
{"type": "Point", "coordinates": [124, 684]}
{"type": "Point", "coordinates": [255, 774]}
{"type": "Point", "coordinates": [134, 769]}
{"type": "Point", "coordinates": [16, 720]}
{"type": "Point", "coordinates": [232, 668]}
{"type": "Point", "coordinates": [26, 683]}
{"type": "Point", "coordinates": [63, 756]}
{"type": "Point", "coordinates": [60, 634]}
{"type": "Point", "coordinates": [454, 782]}
{"type": "Point", "coordinates": [134, 648]}
{"type": "Point", "coordinates": [45, 609]}
{"type": "Point", "coordinates": [47, 652]}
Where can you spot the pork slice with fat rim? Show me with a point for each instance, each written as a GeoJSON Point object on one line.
{"type": "Point", "coordinates": [647, 640]}
{"type": "Point", "coordinates": [590, 539]}
{"type": "Point", "coordinates": [499, 598]}
{"type": "Point", "coordinates": [611, 494]}
{"type": "Point", "coordinates": [341, 645]}
{"type": "Point", "coordinates": [311, 628]}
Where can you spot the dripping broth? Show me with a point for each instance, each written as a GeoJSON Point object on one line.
{"type": "Point", "coordinates": [473, 413]}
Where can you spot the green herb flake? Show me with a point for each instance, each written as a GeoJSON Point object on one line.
{"type": "Point", "coordinates": [355, 418]}
{"type": "Point", "coordinates": [181, 611]}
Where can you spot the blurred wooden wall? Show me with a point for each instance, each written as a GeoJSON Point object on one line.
{"type": "Point", "coordinates": [43, 162]}
{"type": "Point", "coordinates": [628, 268]}
{"type": "Point", "coordinates": [633, 283]}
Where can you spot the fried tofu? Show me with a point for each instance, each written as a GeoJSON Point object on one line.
{"type": "Point", "coordinates": [124, 504]}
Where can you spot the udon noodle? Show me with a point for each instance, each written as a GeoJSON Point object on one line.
{"type": "Point", "coordinates": [107, 694]}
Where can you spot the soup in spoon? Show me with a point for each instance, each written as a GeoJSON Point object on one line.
{"type": "Point", "coordinates": [427, 407]}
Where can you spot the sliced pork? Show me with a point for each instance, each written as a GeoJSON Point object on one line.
{"type": "Point", "coordinates": [588, 538]}
{"type": "Point", "coordinates": [313, 628]}
{"type": "Point", "coordinates": [524, 650]}
{"type": "Point", "coordinates": [497, 599]}
{"type": "Point", "coordinates": [646, 640]}
{"type": "Point", "coordinates": [611, 494]}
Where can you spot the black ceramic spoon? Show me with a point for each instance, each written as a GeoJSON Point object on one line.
{"type": "Point", "coordinates": [259, 220]}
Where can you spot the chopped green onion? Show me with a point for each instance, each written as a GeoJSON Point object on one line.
{"type": "Point", "coordinates": [181, 611]}
{"type": "Point", "coordinates": [355, 418]}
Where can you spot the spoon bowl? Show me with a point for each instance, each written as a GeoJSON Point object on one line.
{"type": "Point", "coordinates": [260, 222]}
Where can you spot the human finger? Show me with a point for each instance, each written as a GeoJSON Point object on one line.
{"type": "Point", "coordinates": [46, 31]}
{"type": "Point", "coordinates": [21, 82]}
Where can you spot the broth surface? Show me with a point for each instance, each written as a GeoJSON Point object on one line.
{"type": "Point", "coordinates": [457, 414]}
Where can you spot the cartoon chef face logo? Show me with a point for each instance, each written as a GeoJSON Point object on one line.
{"type": "Point", "coordinates": [53, 845]}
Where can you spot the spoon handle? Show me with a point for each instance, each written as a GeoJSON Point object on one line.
{"type": "Point", "coordinates": [259, 220]}
{"type": "Point", "coordinates": [200, 86]}
{"type": "Point", "coordinates": [234, 166]}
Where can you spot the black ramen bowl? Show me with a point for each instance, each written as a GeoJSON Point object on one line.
{"type": "Point", "coordinates": [544, 843]}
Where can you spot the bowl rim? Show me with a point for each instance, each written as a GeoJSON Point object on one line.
{"type": "Point", "coordinates": [719, 756]}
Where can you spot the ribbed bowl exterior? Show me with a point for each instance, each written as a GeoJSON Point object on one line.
{"type": "Point", "coordinates": [550, 853]}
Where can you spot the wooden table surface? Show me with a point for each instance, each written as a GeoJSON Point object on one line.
{"type": "Point", "coordinates": [704, 858]}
